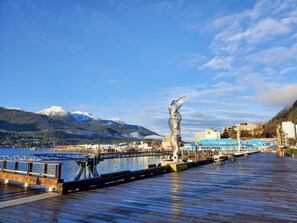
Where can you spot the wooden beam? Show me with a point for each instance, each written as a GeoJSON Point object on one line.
{"type": "Point", "coordinates": [19, 177]}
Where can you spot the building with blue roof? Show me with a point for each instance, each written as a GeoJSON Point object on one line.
{"type": "Point", "coordinates": [230, 145]}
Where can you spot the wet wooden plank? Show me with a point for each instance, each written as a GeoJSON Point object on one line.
{"type": "Point", "coordinates": [24, 200]}
{"type": "Point", "coordinates": [15, 191]}
{"type": "Point", "coordinates": [259, 188]}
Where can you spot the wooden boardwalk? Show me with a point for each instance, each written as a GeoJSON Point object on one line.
{"type": "Point", "coordinates": [9, 192]}
{"type": "Point", "coordinates": [258, 188]}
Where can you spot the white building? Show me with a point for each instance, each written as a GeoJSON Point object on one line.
{"type": "Point", "coordinates": [289, 130]}
{"type": "Point", "coordinates": [208, 134]}
{"type": "Point", "coordinates": [144, 147]}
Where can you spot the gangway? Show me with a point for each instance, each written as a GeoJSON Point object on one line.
{"type": "Point", "coordinates": [82, 156]}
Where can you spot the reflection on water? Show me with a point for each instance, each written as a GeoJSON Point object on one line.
{"type": "Point", "coordinates": [176, 194]}
{"type": "Point", "coordinates": [70, 167]}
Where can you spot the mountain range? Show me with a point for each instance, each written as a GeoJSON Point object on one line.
{"type": "Point", "coordinates": [57, 124]}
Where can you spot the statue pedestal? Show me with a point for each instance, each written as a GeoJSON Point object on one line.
{"type": "Point", "coordinates": [176, 167]}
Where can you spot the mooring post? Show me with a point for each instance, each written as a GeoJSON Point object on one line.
{"type": "Point", "coordinates": [45, 170]}
{"type": "Point", "coordinates": [16, 166]}
{"type": "Point", "coordinates": [58, 171]}
{"type": "Point", "coordinates": [29, 168]}
{"type": "Point", "coordinates": [4, 162]}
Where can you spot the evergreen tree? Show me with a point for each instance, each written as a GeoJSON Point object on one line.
{"type": "Point", "coordinates": [225, 134]}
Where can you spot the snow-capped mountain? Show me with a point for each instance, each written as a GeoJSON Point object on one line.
{"type": "Point", "coordinates": [54, 111]}
{"type": "Point", "coordinates": [58, 112]}
{"type": "Point", "coordinates": [84, 116]}
{"type": "Point", "coordinates": [88, 125]}
{"type": "Point", "coordinates": [117, 120]}
{"type": "Point", "coordinates": [13, 108]}
{"type": "Point", "coordinates": [154, 137]}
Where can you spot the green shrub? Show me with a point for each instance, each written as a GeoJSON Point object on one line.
{"type": "Point", "coordinates": [290, 151]}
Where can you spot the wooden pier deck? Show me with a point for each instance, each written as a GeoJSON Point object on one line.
{"type": "Point", "coordinates": [258, 188]}
{"type": "Point", "coordinates": [9, 192]}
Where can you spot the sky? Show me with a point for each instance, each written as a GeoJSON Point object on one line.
{"type": "Point", "coordinates": [234, 61]}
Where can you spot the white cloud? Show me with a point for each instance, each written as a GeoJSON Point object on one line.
{"type": "Point", "coordinates": [278, 95]}
{"type": "Point", "coordinates": [222, 89]}
{"type": "Point", "coordinates": [239, 32]}
{"type": "Point", "coordinates": [262, 31]}
{"type": "Point", "coordinates": [190, 60]}
{"type": "Point", "coordinates": [134, 135]}
{"type": "Point", "coordinates": [245, 53]}
{"type": "Point", "coordinates": [203, 94]}
{"type": "Point", "coordinates": [269, 70]}
{"type": "Point", "coordinates": [206, 106]}
{"type": "Point", "coordinates": [282, 5]}
{"type": "Point", "coordinates": [288, 70]}
{"type": "Point", "coordinates": [217, 63]}
{"type": "Point", "coordinates": [113, 81]}
{"type": "Point", "coordinates": [274, 56]}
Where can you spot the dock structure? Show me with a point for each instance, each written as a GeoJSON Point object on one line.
{"type": "Point", "coordinates": [87, 164]}
{"type": "Point", "coordinates": [87, 167]}
{"type": "Point", "coordinates": [258, 188]}
{"type": "Point", "coordinates": [47, 174]}
{"type": "Point", "coordinates": [105, 180]}
{"type": "Point", "coordinates": [133, 154]}
{"type": "Point", "coordinates": [83, 156]}
{"type": "Point", "coordinates": [46, 157]}
{"type": "Point", "coordinates": [101, 156]}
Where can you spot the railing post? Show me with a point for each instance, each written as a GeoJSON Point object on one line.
{"type": "Point", "coordinates": [58, 171]}
{"type": "Point", "coordinates": [45, 170]}
{"type": "Point", "coordinates": [4, 165]}
{"type": "Point", "coordinates": [16, 166]}
{"type": "Point", "coordinates": [29, 168]}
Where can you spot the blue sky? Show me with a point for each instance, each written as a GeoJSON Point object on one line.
{"type": "Point", "coordinates": [235, 61]}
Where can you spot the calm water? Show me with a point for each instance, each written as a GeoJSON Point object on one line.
{"type": "Point", "coordinates": [69, 168]}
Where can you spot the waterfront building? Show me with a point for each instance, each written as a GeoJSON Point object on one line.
{"type": "Point", "coordinates": [108, 148]}
{"type": "Point", "coordinates": [208, 134]}
{"type": "Point", "coordinates": [288, 131]}
{"type": "Point", "coordinates": [242, 127]}
{"type": "Point", "coordinates": [230, 145]}
{"type": "Point", "coordinates": [144, 147]}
